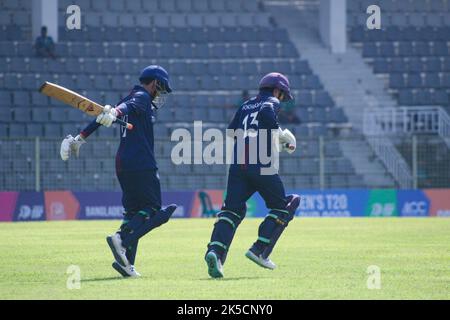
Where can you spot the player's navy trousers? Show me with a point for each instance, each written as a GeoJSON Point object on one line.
{"type": "Point", "coordinates": [141, 190]}
{"type": "Point", "coordinates": [242, 184]}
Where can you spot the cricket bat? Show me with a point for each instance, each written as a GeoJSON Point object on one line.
{"type": "Point", "coordinates": [76, 100]}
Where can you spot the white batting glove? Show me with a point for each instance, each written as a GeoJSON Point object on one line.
{"type": "Point", "coordinates": [108, 116]}
{"type": "Point", "coordinates": [287, 141]}
{"type": "Point", "coordinates": [71, 145]}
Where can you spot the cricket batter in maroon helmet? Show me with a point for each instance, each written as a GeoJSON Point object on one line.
{"type": "Point", "coordinates": [246, 178]}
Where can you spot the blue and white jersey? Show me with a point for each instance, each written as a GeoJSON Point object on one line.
{"type": "Point", "coordinates": [256, 114]}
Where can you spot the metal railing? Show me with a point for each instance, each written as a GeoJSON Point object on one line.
{"type": "Point", "coordinates": [34, 164]}
{"type": "Point", "coordinates": [383, 125]}
{"type": "Point", "coordinates": [444, 126]}
{"type": "Point", "coordinates": [386, 151]}
{"type": "Point", "coordinates": [407, 120]}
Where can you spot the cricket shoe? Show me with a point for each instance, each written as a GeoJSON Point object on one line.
{"type": "Point", "coordinates": [119, 252]}
{"type": "Point", "coordinates": [259, 260]}
{"type": "Point", "coordinates": [127, 272]}
{"type": "Point", "coordinates": [215, 268]}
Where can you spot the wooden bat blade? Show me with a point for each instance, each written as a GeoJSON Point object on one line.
{"type": "Point", "coordinates": [76, 100]}
{"type": "Point", "coordinates": [71, 98]}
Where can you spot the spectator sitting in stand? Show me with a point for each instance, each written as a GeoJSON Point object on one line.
{"type": "Point", "coordinates": [44, 45]}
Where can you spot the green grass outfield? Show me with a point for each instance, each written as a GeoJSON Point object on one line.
{"type": "Point", "coordinates": [317, 258]}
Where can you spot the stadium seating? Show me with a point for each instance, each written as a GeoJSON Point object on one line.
{"type": "Point", "coordinates": [213, 49]}
{"type": "Point", "coordinates": [412, 49]}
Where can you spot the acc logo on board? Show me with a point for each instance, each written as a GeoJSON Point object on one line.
{"type": "Point", "coordinates": [415, 208]}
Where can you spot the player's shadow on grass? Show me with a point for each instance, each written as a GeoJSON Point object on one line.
{"type": "Point", "coordinates": [102, 279]}
{"type": "Point", "coordinates": [232, 278]}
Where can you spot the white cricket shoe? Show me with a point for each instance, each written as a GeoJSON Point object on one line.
{"type": "Point", "coordinates": [126, 272]}
{"type": "Point", "coordinates": [119, 252]}
{"type": "Point", "coordinates": [215, 268]}
{"type": "Point", "coordinates": [265, 263]}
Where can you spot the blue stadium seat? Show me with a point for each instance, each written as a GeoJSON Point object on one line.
{"type": "Point", "coordinates": [288, 50]}
{"type": "Point", "coordinates": [440, 49]}
{"type": "Point", "coordinates": [217, 6]}
{"type": "Point", "coordinates": [180, 68]}
{"type": "Point", "coordinates": [25, 49]}
{"type": "Point", "coordinates": [323, 99]}
{"type": "Point", "coordinates": [432, 64]}
{"type": "Point", "coordinates": [415, 65]}
{"type": "Point", "coordinates": [381, 65]}
{"type": "Point", "coordinates": [5, 98]}
{"type": "Point", "coordinates": [421, 49]}
{"type": "Point", "coordinates": [39, 114]}
{"type": "Point", "coordinates": [212, 20]}
{"type": "Point", "coordinates": [370, 50]}
{"type": "Point", "coordinates": [235, 50]}
{"type": "Point", "coordinates": [18, 65]}
{"type": "Point", "coordinates": [53, 130]}
{"type": "Point", "coordinates": [440, 97]}
{"type": "Point", "coordinates": [56, 66]}
{"type": "Point", "coordinates": [5, 116]}
{"type": "Point", "coordinates": [253, 50]}
{"type": "Point", "coordinates": [231, 68]}
{"type": "Point", "coordinates": [422, 97]}
{"type": "Point", "coordinates": [437, 6]}
{"type": "Point", "coordinates": [66, 80]}
{"type": "Point", "coordinates": [387, 49]}
{"type": "Point", "coordinates": [101, 83]}
{"type": "Point", "coordinates": [396, 81]}
{"type": "Point", "coordinates": [83, 82]}
{"type": "Point", "coordinates": [417, 19]}
{"type": "Point", "coordinates": [197, 68]}
{"type": "Point", "coordinates": [434, 20]}
{"type": "Point", "coordinates": [301, 67]}
{"type": "Point", "coordinates": [336, 115]}
{"type": "Point", "coordinates": [38, 99]}
{"type": "Point", "coordinates": [74, 115]}
{"type": "Point", "coordinates": [178, 20]}
{"type": "Point", "coordinates": [150, 6]}
{"type": "Point", "coordinates": [414, 81]}
{"type": "Point", "coordinates": [432, 80]}
{"type": "Point", "coordinates": [78, 49]}
{"type": "Point", "coordinates": [92, 19]}
{"type": "Point", "coordinates": [283, 67]}
{"type": "Point", "coordinates": [21, 98]}
{"type": "Point", "coordinates": [194, 20]}
{"type": "Point", "coordinates": [249, 67]}
{"type": "Point", "coordinates": [34, 129]}
{"type": "Point", "coordinates": [312, 82]}
{"type": "Point", "coordinates": [270, 50]}
{"type": "Point", "coordinates": [58, 114]}
{"type": "Point", "coordinates": [183, 6]}
{"type": "Point", "coordinates": [446, 80]}
{"type": "Point", "coordinates": [108, 67]}
{"type": "Point", "coordinates": [95, 49]}
{"type": "Point", "coordinates": [17, 130]}
{"type": "Point", "coordinates": [7, 50]}
{"type": "Point", "coordinates": [161, 20]}
{"type": "Point", "coordinates": [200, 6]}
{"type": "Point", "coordinates": [304, 99]}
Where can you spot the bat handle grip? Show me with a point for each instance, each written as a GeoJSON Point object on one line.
{"type": "Point", "coordinates": [289, 146]}
{"type": "Point", "coordinates": [127, 125]}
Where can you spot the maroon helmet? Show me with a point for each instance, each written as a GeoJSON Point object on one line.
{"type": "Point", "coordinates": [279, 81]}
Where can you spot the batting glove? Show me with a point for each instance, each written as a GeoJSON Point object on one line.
{"type": "Point", "coordinates": [108, 116]}
{"type": "Point", "coordinates": [287, 141]}
{"type": "Point", "coordinates": [71, 145]}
